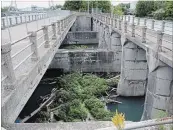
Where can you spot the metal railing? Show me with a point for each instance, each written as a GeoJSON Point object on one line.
{"type": "Point", "coordinates": [32, 44]}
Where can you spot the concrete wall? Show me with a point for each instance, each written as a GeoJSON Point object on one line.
{"type": "Point", "coordinates": [82, 23]}
{"type": "Point", "coordinates": [97, 60]}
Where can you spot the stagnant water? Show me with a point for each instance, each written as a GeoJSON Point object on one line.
{"type": "Point", "coordinates": [132, 107]}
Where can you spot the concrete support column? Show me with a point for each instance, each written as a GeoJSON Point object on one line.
{"type": "Point", "coordinates": [133, 70]}
{"type": "Point", "coordinates": [117, 48]}
{"type": "Point", "coordinates": [138, 21]}
{"type": "Point", "coordinates": [115, 22]}
{"type": "Point", "coordinates": [21, 19]}
{"type": "Point", "coordinates": [33, 40]}
{"type": "Point", "coordinates": [10, 19]}
{"type": "Point", "coordinates": [129, 18]}
{"type": "Point", "coordinates": [107, 37]}
{"type": "Point", "coordinates": [159, 95]}
{"type": "Point", "coordinates": [125, 26]}
{"type": "Point", "coordinates": [112, 22]}
{"type": "Point", "coordinates": [163, 26]}
{"type": "Point", "coordinates": [29, 17]}
{"type": "Point", "coordinates": [54, 31]}
{"type": "Point", "coordinates": [62, 26]}
{"type": "Point", "coordinates": [46, 36]}
{"type": "Point", "coordinates": [133, 30]}
{"type": "Point", "coordinates": [7, 69]}
{"type": "Point", "coordinates": [145, 21]}
{"type": "Point", "coordinates": [102, 42]}
{"type": "Point", "coordinates": [119, 26]}
{"type": "Point", "coordinates": [159, 41]}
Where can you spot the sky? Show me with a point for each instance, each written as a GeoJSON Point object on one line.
{"type": "Point", "coordinates": [44, 3]}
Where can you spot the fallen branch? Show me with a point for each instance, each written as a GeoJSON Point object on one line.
{"type": "Point", "coordinates": [52, 96]}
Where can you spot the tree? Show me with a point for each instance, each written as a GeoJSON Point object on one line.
{"type": "Point", "coordinates": [4, 9]}
{"type": "Point", "coordinates": [73, 5]}
{"type": "Point", "coordinates": [118, 10]}
{"type": "Point", "coordinates": [144, 8]}
{"type": "Point", "coordinates": [169, 9]}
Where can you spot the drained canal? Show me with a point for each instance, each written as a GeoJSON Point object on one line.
{"type": "Point", "coordinates": [132, 107]}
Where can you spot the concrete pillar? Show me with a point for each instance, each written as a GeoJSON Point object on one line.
{"type": "Point", "coordinates": [129, 18]}
{"type": "Point", "coordinates": [46, 36]}
{"type": "Point", "coordinates": [159, 94]}
{"type": "Point", "coordinates": [152, 24]}
{"type": "Point", "coordinates": [159, 41]}
{"type": "Point", "coordinates": [138, 21]}
{"type": "Point", "coordinates": [54, 31]}
{"type": "Point", "coordinates": [117, 48]}
{"type": "Point", "coordinates": [3, 22]}
{"type": "Point", "coordinates": [33, 40]}
{"type": "Point", "coordinates": [102, 42]}
{"type": "Point", "coordinates": [58, 27]}
{"type": "Point", "coordinates": [10, 19]}
{"type": "Point", "coordinates": [112, 22]}
{"type": "Point", "coordinates": [16, 20]}
{"type": "Point", "coordinates": [125, 26]}
{"type": "Point", "coordinates": [145, 21]}
{"type": "Point", "coordinates": [144, 29]}
{"type": "Point", "coordinates": [133, 70]}
{"type": "Point", "coordinates": [107, 37]}
{"type": "Point", "coordinates": [29, 17]}
{"type": "Point", "coordinates": [119, 25]}
{"type": "Point", "coordinates": [7, 68]}
{"type": "Point", "coordinates": [133, 30]}
{"type": "Point", "coordinates": [163, 26]}
{"type": "Point", "coordinates": [21, 19]}
{"type": "Point", "coordinates": [115, 22]}
{"type": "Point", "coordinates": [62, 26]}
{"type": "Point", "coordinates": [133, 20]}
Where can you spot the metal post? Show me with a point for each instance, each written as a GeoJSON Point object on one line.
{"type": "Point", "coordinates": [33, 40]}
{"type": "Point", "coordinates": [46, 36]}
{"type": "Point", "coordinates": [159, 40]}
{"type": "Point", "coordinates": [54, 31]}
{"type": "Point", "coordinates": [163, 26]}
{"type": "Point", "coordinates": [144, 29]}
{"type": "Point", "coordinates": [133, 30]}
{"type": "Point", "coordinates": [7, 66]}
{"type": "Point", "coordinates": [152, 26]}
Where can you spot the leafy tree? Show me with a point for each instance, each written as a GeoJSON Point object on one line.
{"type": "Point", "coordinates": [143, 8]}
{"type": "Point", "coordinates": [4, 9]}
{"type": "Point", "coordinates": [73, 5]}
{"type": "Point", "coordinates": [118, 10]}
{"type": "Point", "coordinates": [169, 9]}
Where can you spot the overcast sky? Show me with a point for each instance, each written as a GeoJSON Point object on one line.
{"type": "Point", "coordinates": [44, 3]}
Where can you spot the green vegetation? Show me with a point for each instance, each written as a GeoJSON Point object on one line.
{"type": "Point", "coordinates": [78, 95]}
{"type": "Point", "coordinates": [4, 9]}
{"type": "Point", "coordinates": [156, 9]}
{"type": "Point", "coordinates": [83, 5]}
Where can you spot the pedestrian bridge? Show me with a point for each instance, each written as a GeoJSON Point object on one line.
{"type": "Point", "coordinates": [146, 56]}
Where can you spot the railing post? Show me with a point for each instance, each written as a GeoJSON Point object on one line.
{"type": "Point", "coordinates": [133, 20]}
{"type": "Point", "coordinates": [133, 30]}
{"type": "Point", "coordinates": [159, 40]}
{"type": "Point", "coordinates": [46, 36]}
{"type": "Point", "coordinates": [152, 25]}
{"type": "Point", "coordinates": [29, 18]}
{"type": "Point", "coordinates": [129, 18]}
{"type": "Point", "coordinates": [21, 19]}
{"type": "Point", "coordinates": [10, 21]}
{"type": "Point", "coordinates": [119, 24]}
{"type": "Point", "coordinates": [54, 31]}
{"type": "Point", "coordinates": [7, 67]}
{"type": "Point", "coordinates": [112, 22]}
{"type": "Point", "coordinates": [16, 20]}
{"type": "Point", "coordinates": [33, 40]}
{"type": "Point", "coordinates": [62, 25]}
{"type": "Point", "coordinates": [145, 21]}
{"type": "Point", "coordinates": [138, 21]}
{"type": "Point", "coordinates": [163, 26]}
{"type": "Point", "coordinates": [125, 26]}
{"type": "Point", "coordinates": [3, 22]}
{"type": "Point", "coordinates": [115, 22]}
{"type": "Point", "coordinates": [144, 29]}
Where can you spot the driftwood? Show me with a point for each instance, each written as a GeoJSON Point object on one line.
{"type": "Point", "coordinates": [52, 97]}
{"type": "Point", "coordinates": [113, 81]}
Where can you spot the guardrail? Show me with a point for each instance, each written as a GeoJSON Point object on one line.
{"type": "Point", "coordinates": [143, 33]}
{"type": "Point", "coordinates": [10, 21]}
{"type": "Point", "coordinates": [34, 41]}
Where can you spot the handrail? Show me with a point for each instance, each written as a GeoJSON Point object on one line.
{"type": "Point", "coordinates": [13, 43]}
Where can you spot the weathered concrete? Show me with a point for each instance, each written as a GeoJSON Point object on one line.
{"type": "Point", "coordinates": [97, 60]}
{"type": "Point", "coordinates": [133, 71]}
{"type": "Point", "coordinates": [159, 96]}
